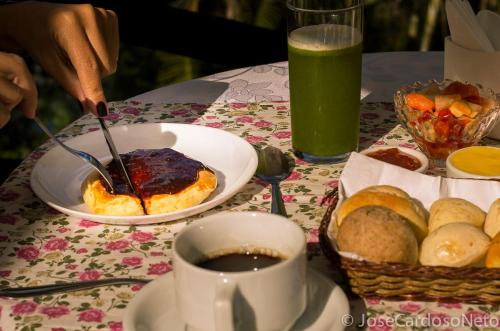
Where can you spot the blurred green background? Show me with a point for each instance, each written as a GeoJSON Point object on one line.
{"type": "Point", "coordinates": [390, 25]}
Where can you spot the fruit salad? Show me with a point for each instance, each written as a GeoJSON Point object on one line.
{"type": "Point", "coordinates": [444, 117]}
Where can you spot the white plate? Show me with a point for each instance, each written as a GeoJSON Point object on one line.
{"type": "Point", "coordinates": [154, 309]}
{"type": "Point", "coordinates": [57, 176]}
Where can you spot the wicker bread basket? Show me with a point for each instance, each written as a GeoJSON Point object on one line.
{"type": "Point", "coordinates": [397, 281]}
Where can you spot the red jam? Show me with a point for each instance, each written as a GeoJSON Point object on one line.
{"type": "Point", "coordinates": [396, 157]}
{"type": "Point", "coordinates": [155, 171]}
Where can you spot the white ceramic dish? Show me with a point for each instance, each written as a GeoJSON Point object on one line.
{"type": "Point", "coordinates": [57, 176]}
{"type": "Point", "coordinates": [424, 161]}
{"type": "Point", "coordinates": [154, 307]}
{"type": "Point", "coordinates": [453, 172]}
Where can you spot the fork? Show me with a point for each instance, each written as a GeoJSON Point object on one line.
{"type": "Point", "coordinates": [22, 292]}
{"type": "Point", "coordinates": [83, 155]}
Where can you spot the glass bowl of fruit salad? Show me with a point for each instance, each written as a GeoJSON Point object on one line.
{"type": "Point", "coordinates": [443, 116]}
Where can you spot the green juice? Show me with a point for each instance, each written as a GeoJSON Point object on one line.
{"type": "Point", "coordinates": [325, 85]}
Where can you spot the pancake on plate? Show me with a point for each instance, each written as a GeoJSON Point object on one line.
{"type": "Point", "coordinates": [164, 180]}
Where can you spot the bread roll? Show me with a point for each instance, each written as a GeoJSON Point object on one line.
{"type": "Point", "coordinates": [454, 245]}
{"type": "Point", "coordinates": [454, 210]}
{"type": "Point", "coordinates": [493, 254]}
{"type": "Point", "coordinates": [492, 222]}
{"type": "Point", "coordinates": [400, 193]}
{"type": "Point", "coordinates": [378, 234]}
{"type": "Point", "coordinates": [403, 206]}
{"type": "Point", "coordinates": [387, 189]}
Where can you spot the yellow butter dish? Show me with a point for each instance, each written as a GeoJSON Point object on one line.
{"type": "Point", "coordinates": [482, 162]}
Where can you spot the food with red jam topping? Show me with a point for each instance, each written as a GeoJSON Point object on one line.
{"type": "Point", "coordinates": [164, 180]}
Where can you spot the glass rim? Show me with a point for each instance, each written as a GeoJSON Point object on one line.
{"type": "Point", "coordinates": [322, 11]}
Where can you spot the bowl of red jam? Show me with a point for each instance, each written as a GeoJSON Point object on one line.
{"type": "Point", "coordinates": [444, 116]}
{"type": "Point", "coordinates": [410, 159]}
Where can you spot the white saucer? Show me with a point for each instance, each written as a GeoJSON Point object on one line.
{"type": "Point", "coordinates": [153, 308]}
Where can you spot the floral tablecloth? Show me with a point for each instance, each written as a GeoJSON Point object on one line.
{"type": "Point", "coordinates": [39, 245]}
{"type": "Point", "coordinates": [382, 74]}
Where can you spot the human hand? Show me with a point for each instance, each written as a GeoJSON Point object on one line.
{"type": "Point", "coordinates": [16, 87]}
{"type": "Point", "coordinates": [76, 44]}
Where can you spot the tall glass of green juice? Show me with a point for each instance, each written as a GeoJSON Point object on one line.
{"type": "Point", "coordinates": [324, 59]}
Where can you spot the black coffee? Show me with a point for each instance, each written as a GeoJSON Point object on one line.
{"type": "Point", "coordinates": [235, 262]}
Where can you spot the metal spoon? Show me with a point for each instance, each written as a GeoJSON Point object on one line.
{"type": "Point", "coordinates": [274, 166]}
{"type": "Point", "coordinates": [85, 156]}
{"type": "Point", "coordinates": [22, 292]}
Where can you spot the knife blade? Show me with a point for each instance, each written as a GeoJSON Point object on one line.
{"type": "Point", "coordinates": [115, 154]}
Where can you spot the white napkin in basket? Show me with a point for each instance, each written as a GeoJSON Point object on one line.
{"type": "Point", "coordinates": [362, 171]}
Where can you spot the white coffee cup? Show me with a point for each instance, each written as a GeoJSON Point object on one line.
{"type": "Point", "coordinates": [272, 298]}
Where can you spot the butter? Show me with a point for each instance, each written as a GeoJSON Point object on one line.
{"type": "Point", "coordinates": [478, 160]}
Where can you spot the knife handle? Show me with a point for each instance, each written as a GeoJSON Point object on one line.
{"type": "Point", "coordinates": [112, 147]}
{"type": "Point", "coordinates": [102, 110]}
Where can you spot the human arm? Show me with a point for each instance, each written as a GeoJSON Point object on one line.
{"type": "Point", "coordinates": [17, 87]}
{"type": "Point", "coordinates": [75, 44]}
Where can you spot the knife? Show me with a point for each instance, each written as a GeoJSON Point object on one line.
{"type": "Point", "coordinates": [101, 109]}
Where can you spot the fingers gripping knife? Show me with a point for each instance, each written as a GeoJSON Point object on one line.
{"type": "Point", "coordinates": [101, 110]}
